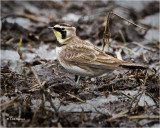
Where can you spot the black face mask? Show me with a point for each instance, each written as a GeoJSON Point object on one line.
{"type": "Point", "coordinates": [63, 33]}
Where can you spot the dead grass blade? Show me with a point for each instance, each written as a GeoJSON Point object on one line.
{"type": "Point", "coordinates": [106, 32]}
{"type": "Point", "coordinates": [36, 76]}
{"type": "Point", "coordinates": [128, 21]}
{"type": "Point", "coordinates": [119, 115]}
{"type": "Point", "coordinates": [76, 98]}
{"type": "Point", "coordinates": [32, 17]}
{"type": "Point", "coordinates": [7, 104]}
{"type": "Point", "coordinates": [144, 117]}
{"type": "Point", "coordinates": [107, 29]}
{"type": "Point", "coordinates": [142, 46]}
{"type": "Point", "coordinates": [118, 54]}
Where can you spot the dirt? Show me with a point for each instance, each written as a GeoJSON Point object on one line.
{"type": "Point", "coordinates": [36, 91]}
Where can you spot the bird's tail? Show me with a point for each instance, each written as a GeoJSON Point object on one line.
{"type": "Point", "coordinates": [132, 66]}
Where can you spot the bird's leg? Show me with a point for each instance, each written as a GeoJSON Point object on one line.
{"type": "Point", "coordinates": [77, 78]}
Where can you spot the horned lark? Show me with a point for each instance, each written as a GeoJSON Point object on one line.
{"type": "Point", "coordinates": [83, 58]}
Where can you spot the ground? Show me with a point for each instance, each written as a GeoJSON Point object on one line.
{"type": "Point", "coordinates": [37, 91]}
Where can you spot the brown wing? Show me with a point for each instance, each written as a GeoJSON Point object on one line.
{"type": "Point", "coordinates": [88, 54]}
{"type": "Point", "coordinates": [79, 54]}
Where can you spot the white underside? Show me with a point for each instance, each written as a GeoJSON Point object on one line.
{"type": "Point", "coordinates": [77, 70]}
{"type": "Point", "coordinates": [58, 49]}
{"type": "Point", "coordinates": [73, 69]}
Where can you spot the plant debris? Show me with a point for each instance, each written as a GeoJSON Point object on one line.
{"type": "Point", "coordinates": [36, 91]}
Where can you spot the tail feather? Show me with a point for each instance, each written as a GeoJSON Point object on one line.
{"type": "Point", "coordinates": [134, 66]}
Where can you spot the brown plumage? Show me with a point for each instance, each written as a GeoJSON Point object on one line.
{"type": "Point", "coordinates": [85, 59]}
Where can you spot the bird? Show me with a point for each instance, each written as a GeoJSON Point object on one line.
{"type": "Point", "coordinates": [82, 57]}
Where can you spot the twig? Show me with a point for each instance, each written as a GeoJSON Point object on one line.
{"type": "Point", "coordinates": [76, 97]}
{"type": "Point", "coordinates": [36, 76]}
{"type": "Point", "coordinates": [128, 21]}
{"type": "Point", "coordinates": [140, 45]}
{"type": "Point", "coordinates": [4, 120]}
{"type": "Point", "coordinates": [32, 17]}
{"type": "Point", "coordinates": [138, 99]}
{"type": "Point", "coordinates": [123, 47]}
{"type": "Point", "coordinates": [9, 41]}
{"type": "Point", "coordinates": [119, 115]}
{"type": "Point", "coordinates": [37, 87]}
{"type": "Point", "coordinates": [145, 79]}
{"type": "Point", "coordinates": [102, 113]}
{"type": "Point", "coordinates": [53, 106]}
{"type": "Point", "coordinates": [144, 117]}
{"type": "Point", "coordinates": [144, 57]}
{"type": "Point", "coordinates": [118, 54]}
{"type": "Point", "coordinates": [126, 95]}
{"type": "Point", "coordinates": [4, 74]}
{"type": "Point", "coordinates": [152, 98]}
{"type": "Point", "coordinates": [8, 103]}
{"type": "Point", "coordinates": [134, 99]}
{"type": "Point", "coordinates": [104, 34]}
{"type": "Point", "coordinates": [34, 117]}
{"type": "Point", "coordinates": [41, 85]}
{"type": "Point", "coordinates": [143, 91]}
{"type": "Point", "coordinates": [29, 16]}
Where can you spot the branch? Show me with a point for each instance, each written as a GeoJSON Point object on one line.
{"type": "Point", "coordinates": [128, 21]}
{"type": "Point", "coordinates": [108, 33]}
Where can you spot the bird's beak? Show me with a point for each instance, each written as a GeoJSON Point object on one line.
{"type": "Point", "coordinates": [51, 27]}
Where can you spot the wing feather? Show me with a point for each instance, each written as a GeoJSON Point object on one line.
{"type": "Point", "coordinates": [79, 54]}
{"type": "Point", "coordinates": [89, 55]}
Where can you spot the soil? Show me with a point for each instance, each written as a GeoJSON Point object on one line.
{"type": "Point", "coordinates": [36, 91]}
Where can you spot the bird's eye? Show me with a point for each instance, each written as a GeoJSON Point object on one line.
{"type": "Point", "coordinates": [62, 29]}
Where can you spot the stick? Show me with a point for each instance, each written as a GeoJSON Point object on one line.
{"type": "Point", "coordinates": [36, 76]}
{"type": "Point", "coordinates": [9, 41]}
{"type": "Point", "coordinates": [118, 54]}
{"type": "Point", "coordinates": [119, 115]}
{"type": "Point", "coordinates": [126, 95]}
{"type": "Point", "coordinates": [76, 98]}
{"type": "Point", "coordinates": [31, 17]}
{"type": "Point", "coordinates": [144, 117]}
{"type": "Point", "coordinates": [140, 45]}
{"type": "Point", "coordinates": [123, 47]}
{"type": "Point", "coordinates": [104, 34]}
{"type": "Point", "coordinates": [128, 21]}
{"type": "Point", "coordinates": [8, 103]}
{"type": "Point", "coordinates": [41, 85]}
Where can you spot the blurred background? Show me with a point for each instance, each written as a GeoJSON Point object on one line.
{"type": "Point", "coordinates": [101, 102]}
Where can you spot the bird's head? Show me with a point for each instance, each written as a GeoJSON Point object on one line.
{"type": "Point", "coordinates": [63, 32]}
